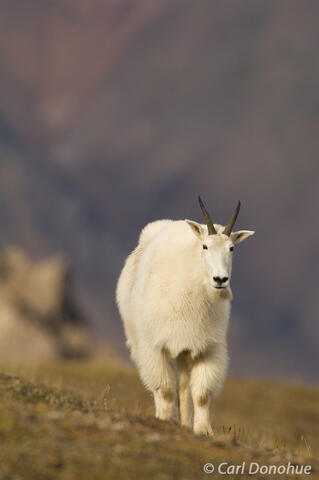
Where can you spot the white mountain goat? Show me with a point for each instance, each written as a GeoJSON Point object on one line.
{"type": "Point", "coordinates": [174, 298]}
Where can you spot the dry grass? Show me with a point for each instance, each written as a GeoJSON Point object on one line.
{"type": "Point", "coordinates": [79, 420]}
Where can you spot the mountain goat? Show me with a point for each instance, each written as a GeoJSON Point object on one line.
{"type": "Point", "coordinates": [174, 297]}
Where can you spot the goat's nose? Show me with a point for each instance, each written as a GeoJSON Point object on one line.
{"type": "Point", "coordinates": [220, 280]}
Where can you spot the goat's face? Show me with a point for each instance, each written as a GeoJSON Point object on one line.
{"type": "Point", "coordinates": [217, 253]}
{"type": "Point", "coordinates": [217, 245]}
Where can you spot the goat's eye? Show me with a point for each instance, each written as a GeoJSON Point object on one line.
{"type": "Point", "coordinates": [231, 249]}
{"type": "Point", "coordinates": [205, 247]}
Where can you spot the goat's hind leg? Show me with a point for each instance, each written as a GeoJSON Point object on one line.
{"type": "Point", "coordinates": [184, 391]}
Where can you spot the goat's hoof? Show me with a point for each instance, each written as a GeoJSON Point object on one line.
{"type": "Point", "coordinates": [204, 430]}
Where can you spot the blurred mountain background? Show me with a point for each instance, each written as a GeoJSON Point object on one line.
{"type": "Point", "coordinates": [116, 113]}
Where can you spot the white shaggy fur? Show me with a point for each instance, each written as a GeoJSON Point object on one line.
{"type": "Point", "coordinates": [175, 316]}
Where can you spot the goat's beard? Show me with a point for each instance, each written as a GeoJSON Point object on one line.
{"type": "Point", "coordinates": [220, 294]}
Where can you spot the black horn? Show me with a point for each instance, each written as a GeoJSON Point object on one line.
{"type": "Point", "coordinates": [231, 223]}
{"type": "Point", "coordinates": [209, 223]}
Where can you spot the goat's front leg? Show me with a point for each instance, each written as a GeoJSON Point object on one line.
{"type": "Point", "coordinates": [165, 396]}
{"type": "Point", "coordinates": [207, 376]}
{"type": "Point", "coordinates": [159, 375]}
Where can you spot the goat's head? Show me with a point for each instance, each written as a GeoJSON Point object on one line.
{"type": "Point", "coordinates": [217, 246]}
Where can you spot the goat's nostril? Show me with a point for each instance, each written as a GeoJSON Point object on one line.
{"type": "Point", "coordinates": [220, 280]}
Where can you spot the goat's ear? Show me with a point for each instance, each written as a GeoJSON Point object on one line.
{"type": "Point", "coordinates": [241, 235]}
{"type": "Point", "coordinates": [196, 228]}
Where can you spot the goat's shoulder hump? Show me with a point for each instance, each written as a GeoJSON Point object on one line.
{"type": "Point", "coordinates": [152, 229]}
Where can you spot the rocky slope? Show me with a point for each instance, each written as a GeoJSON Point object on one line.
{"type": "Point", "coordinates": [84, 420]}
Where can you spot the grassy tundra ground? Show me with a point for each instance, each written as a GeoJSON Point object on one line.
{"type": "Point", "coordinates": [84, 421]}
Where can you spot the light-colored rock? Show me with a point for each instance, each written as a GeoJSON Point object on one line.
{"type": "Point", "coordinates": [38, 319]}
